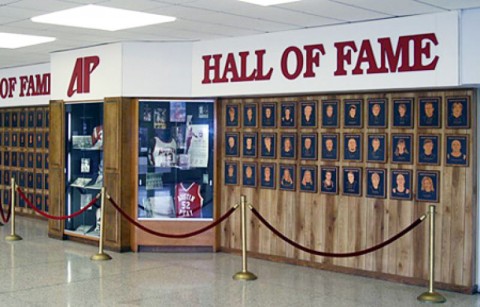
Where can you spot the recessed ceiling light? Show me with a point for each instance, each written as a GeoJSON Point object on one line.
{"type": "Point", "coordinates": [268, 2]}
{"type": "Point", "coordinates": [101, 18]}
{"type": "Point", "coordinates": [13, 41]}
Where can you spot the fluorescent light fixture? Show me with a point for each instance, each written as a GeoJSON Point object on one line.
{"type": "Point", "coordinates": [101, 18]}
{"type": "Point", "coordinates": [14, 41]}
{"type": "Point", "coordinates": [268, 2]}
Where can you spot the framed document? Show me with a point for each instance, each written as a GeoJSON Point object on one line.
{"type": "Point", "coordinates": [402, 148]}
{"type": "Point", "coordinates": [267, 176]}
{"type": "Point", "coordinates": [403, 113]}
{"type": "Point", "coordinates": [84, 165]}
{"type": "Point", "coordinates": [458, 112]}
{"type": "Point", "coordinates": [401, 184]}
{"type": "Point", "coordinates": [249, 174]}
{"type": "Point", "coordinates": [352, 181]}
{"type": "Point", "coordinates": [457, 150]}
{"type": "Point", "coordinates": [428, 184]}
{"type": "Point", "coordinates": [250, 115]}
{"type": "Point", "coordinates": [428, 149]}
{"type": "Point", "coordinates": [330, 113]}
{"type": "Point", "coordinates": [308, 178]}
{"type": "Point", "coordinates": [268, 142]}
{"type": "Point", "coordinates": [287, 177]}
{"type": "Point", "coordinates": [288, 145]}
{"type": "Point", "coordinates": [376, 183]}
{"type": "Point", "coordinates": [309, 114]}
{"type": "Point", "coordinates": [287, 116]}
{"type": "Point", "coordinates": [232, 146]}
{"type": "Point", "coordinates": [232, 115]}
{"type": "Point", "coordinates": [429, 112]}
{"type": "Point", "coordinates": [308, 146]}
{"type": "Point", "coordinates": [330, 147]}
{"type": "Point", "coordinates": [269, 115]}
{"type": "Point", "coordinates": [250, 144]}
{"type": "Point", "coordinates": [352, 116]}
{"type": "Point", "coordinates": [352, 147]}
{"type": "Point", "coordinates": [377, 113]}
{"type": "Point", "coordinates": [377, 148]}
{"type": "Point", "coordinates": [231, 173]}
{"type": "Point", "coordinates": [329, 180]}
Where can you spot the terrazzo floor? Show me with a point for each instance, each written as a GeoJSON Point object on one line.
{"type": "Point", "coordinates": [39, 271]}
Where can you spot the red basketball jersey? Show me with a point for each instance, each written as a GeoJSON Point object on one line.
{"type": "Point", "coordinates": [188, 201]}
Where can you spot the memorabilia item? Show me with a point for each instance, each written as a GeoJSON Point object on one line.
{"type": "Point", "coordinates": [288, 145]}
{"type": "Point", "coordinates": [188, 201]}
{"type": "Point", "coordinates": [268, 142]}
{"type": "Point", "coordinates": [330, 147]}
{"type": "Point", "coordinates": [377, 112]}
{"type": "Point", "coordinates": [197, 145]}
{"type": "Point", "coordinates": [401, 148]}
{"type": "Point", "coordinates": [267, 175]}
{"type": "Point", "coordinates": [160, 118]}
{"type": "Point", "coordinates": [309, 146]}
{"type": "Point", "coordinates": [250, 115]}
{"type": "Point", "coordinates": [269, 114]}
{"type": "Point", "coordinates": [39, 119]}
{"type": "Point", "coordinates": [231, 146]}
{"type": "Point", "coordinates": [309, 114]}
{"type": "Point", "coordinates": [287, 117]}
{"type": "Point", "coordinates": [160, 205]}
{"type": "Point", "coordinates": [232, 115]}
{"type": "Point", "coordinates": [401, 184]}
{"type": "Point", "coordinates": [231, 173]}
{"type": "Point", "coordinates": [330, 114]}
{"type": "Point", "coordinates": [178, 111]}
{"type": "Point", "coordinates": [250, 145]}
{"type": "Point", "coordinates": [147, 113]}
{"type": "Point", "coordinates": [352, 181]}
{"type": "Point", "coordinates": [80, 182]}
{"type": "Point", "coordinates": [352, 116]}
{"type": "Point", "coordinates": [456, 150]}
{"type": "Point", "coordinates": [428, 149]}
{"type": "Point", "coordinates": [428, 184]}
{"type": "Point", "coordinates": [352, 147]}
{"type": "Point", "coordinates": [429, 112]}
{"type": "Point", "coordinates": [308, 178]}
{"type": "Point", "coordinates": [329, 180]}
{"type": "Point", "coordinates": [376, 183]}
{"type": "Point", "coordinates": [203, 111]}
{"type": "Point", "coordinates": [458, 112]}
{"type": "Point", "coordinates": [249, 174]}
{"type": "Point", "coordinates": [287, 177]}
{"type": "Point", "coordinates": [377, 150]}
{"type": "Point", "coordinates": [97, 181]}
{"type": "Point", "coordinates": [81, 141]}
{"type": "Point", "coordinates": [84, 165]}
{"type": "Point", "coordinates": [403, 113]}
{"type": "Point", "coordinates": [162, 154]}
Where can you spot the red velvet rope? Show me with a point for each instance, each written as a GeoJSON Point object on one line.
{"type": "Point", "coordinates": [337, 255]}
{"type": "Point", "coordinates": [9, 213]}
{"type": "Point", "coordinates": [53, 217]}
{"type": "Point", "coordinates": [166, 235]}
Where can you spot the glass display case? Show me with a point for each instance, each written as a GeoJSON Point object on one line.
{"type": "Point", "coordinates": [84, 166]}
{"type": "Point", "coordinates": [176, 158]}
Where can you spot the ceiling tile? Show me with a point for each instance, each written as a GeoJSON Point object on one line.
{"type": "Point", "coordinates": [393, 7]}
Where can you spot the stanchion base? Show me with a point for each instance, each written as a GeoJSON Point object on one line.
{"type": "Point", "coordinates": [431, 297]}
{"type": "Point", "coordinates": [244, 276]}
{"type": "Point", "coordinates": [100, 256]}
{"type": "Point", "coordinates": [13, 238]}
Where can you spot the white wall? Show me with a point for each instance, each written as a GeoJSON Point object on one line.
{"type": "Point", "coordinates": [470, 46]}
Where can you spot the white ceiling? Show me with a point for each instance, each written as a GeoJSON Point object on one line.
{"type": "Point", "coordinates": [198, 20]}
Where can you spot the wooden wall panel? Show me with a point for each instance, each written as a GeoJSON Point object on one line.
{"type": "Point", "coordinates": [343, 223]}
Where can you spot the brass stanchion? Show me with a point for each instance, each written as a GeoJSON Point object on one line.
{"type": "Point", "coordinates": [13, 236]}
{"type": "Point", "coordinates": [101, 255]}
{"type": "Point", "coordinates": [431, 296]}
{"type": "Point", "coordinates": [244, 274]}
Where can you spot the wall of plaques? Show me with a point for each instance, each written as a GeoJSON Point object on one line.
{"type": "Point", "coordinates": [340, 173]}
{"type": "Point", "coordinates": [24, 141]}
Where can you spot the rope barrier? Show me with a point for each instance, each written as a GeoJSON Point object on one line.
{"type": "Point", "coordinates": [9, 212]}
{"type": "Point", "coordinates": [338, 255]}
{"type": "Point", "coordinates": [174, 236]}
{"type": "Point", "coordinates": [53, 217]}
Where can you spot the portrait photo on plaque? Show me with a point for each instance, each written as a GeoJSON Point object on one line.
{"type": "Point", "coordinates": [330, 114]}
{"type": "Point", "coordinates": [352, 113]}
{"type": "Point", "coordinates": [6, 119]}
{"type": "Point", "coordinates": [14, 119]}
{"type": "Point", "coordinates": [330, 147]}
{"type": "Point", "coordinates": [45, 158]}
{"type": "Point", "coordinates": [231, 173]}
{"type": "Point", "coordinates": [178, 111]}
{"type": "Point", "coordinates": [39, 116]}
{"type": "Point", "coordinates": [31, 119]}
{"type": "Point", "coordinates": [352, 147]}
{"type": "Point", "coordinates": [458, 112]}
{"type": "Point", "coordinates": [6, 138]}
{"type": "Point", "coordinates": [231, 144]}
{"type": "Point", "coordinates": [403, 113]}
{"type": "Point", "coordinates": [39, 140]}
{"type": "Point", "coordinates": [329, 180]}
{"type": "Point", "coordinates": [269, 115]}
{"type": "Point", "coordinates": [232, 115]}
{"type": "Point", "coordinates": [308, 146]}
{"type": "Point", "coordinates": [267, 175]}
{"type": "Point", "coordinates": [352, 181]}
{"type": "Point", "coordinates": [250, 144]}
{"type": "Point", "coordinates": [288, 145]}
{"type": "Point", "coordinates": [377, 112]}
{"type": "Point", "coordinates": [456, 150]}
{"type": "Point", "coordinates": [22, 139]}
{"type": "Point", "coordinates": [6, 158]}
{"type": "Point", "coordinates": [429, 112]}
{"type": "Point", "coordinates": [15, 139]}
{"type": "Point", "coordinates": [376, 183]}
{"type": "Point", "coordinates": [287, 116]}
{"type": "Point", "coordinates": [23, 119]}
{"type": "Point", "coordinates": [401, 184]}
{"type": "Point", "coordinates": [21, 159]}
{"type": "Point", "coordinates": [30, 140]}
{"type": "Point", "coordinates": [287, 177]}
{"type": "Point", "coordinates": [428, 186]}
{"type": "Point", "coordinates": [30, 160]}
{"type": "Point", "coordinates": [38, 160]}
{"type": "Point", "coordinates": [14, 159]}
{"type": "Point", "coordinates": [249, 174]}
{"type": "Point", "coordinates": [377, 150]}
{"type": "Point", "coordinates": [401, 148]}
{"type": "Point", "coordinates": [308, 178]}
{"type": "Point", "coordinates": [309, 114]}
{"type": "Point", "coordinates": [250, 115]}
{"type": "Point", "coordinates": [268, 142]}
{"type": "Point", "coordinates": [428, 149]}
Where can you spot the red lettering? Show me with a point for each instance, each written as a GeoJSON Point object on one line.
{"type": "Point", "coordinates": [243, 69]}
{"type": "Point", "coordinates": [81, 75]}
{"type": "Point", "coordinates": [344, 56]}
{"type": "Point", "coordinates": [366, 56]}
{"type": "Point", "coordinates": [23, 85]}
{"type": "Point", "coordinates": [420, 51]}
{"type": "Point", "coordinates": [312, 59]}
{"type": "Point", "coordinates": [230, 67]}
{"type": "Point", "coordinates": [260, 75]}
{"type": "Point", "coordinates": [215, 67]}
{"type": "Point", "coordinates": [299, 62]}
